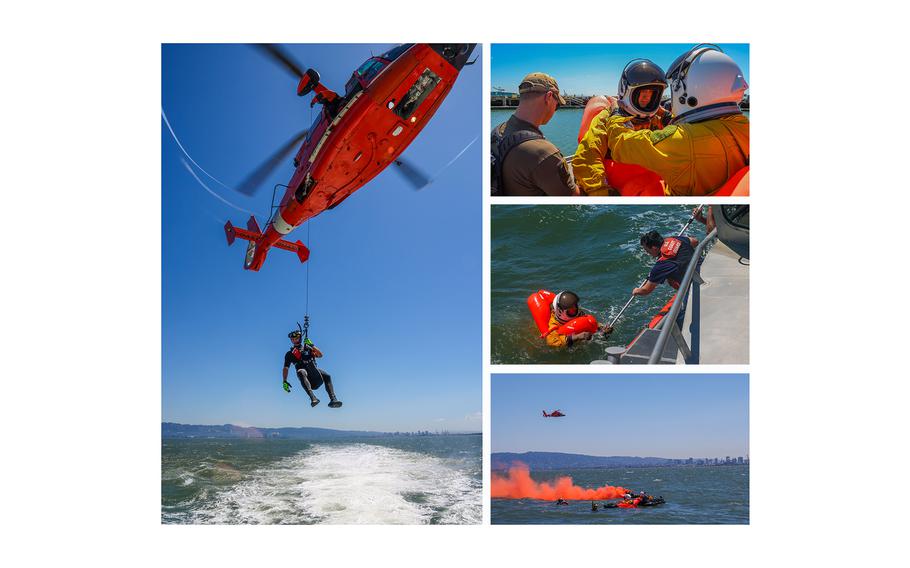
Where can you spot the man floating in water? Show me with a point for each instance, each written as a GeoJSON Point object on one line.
{"type": "Point", "coordinates": [303, 357]}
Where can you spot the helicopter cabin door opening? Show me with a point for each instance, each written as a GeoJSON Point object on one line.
{"type": "Point", "coordinates": [419, 91]}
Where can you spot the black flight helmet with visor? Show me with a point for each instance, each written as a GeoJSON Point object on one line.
{"type": "Point", "coordinates": [641, 76]}
{"type": "Point", "coordinates": [565, 306]}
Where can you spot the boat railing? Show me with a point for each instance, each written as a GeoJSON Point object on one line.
{"type": "Point", "coordinates": [668, 325]}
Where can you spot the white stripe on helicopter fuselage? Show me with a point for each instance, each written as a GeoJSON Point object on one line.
{"type": "Point", "coordinates": [281, 226]}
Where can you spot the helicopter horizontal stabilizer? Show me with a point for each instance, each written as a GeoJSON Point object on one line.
{"type": "Point", "coordinates": [252, 234]}
{"type": "Point", "coordinates": [297, 247]}
{"type": "Point", "coordinates": [232, 232]}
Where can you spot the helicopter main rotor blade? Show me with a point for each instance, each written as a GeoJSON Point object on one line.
{"type": "Point", "coordinates": [281, 57]}
{"type": "Point", "coordinates": [252, 182]}
{"type": "Point", "coordinates": [415, 177]}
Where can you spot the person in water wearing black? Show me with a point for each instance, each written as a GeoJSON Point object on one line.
{"type": "Point", "coordinates": [673, 255]}
{"type": "Point", "coordinates": [303, 357]}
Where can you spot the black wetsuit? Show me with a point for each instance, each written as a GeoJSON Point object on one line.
{"type": "Point", "coordinates": [303, 360]}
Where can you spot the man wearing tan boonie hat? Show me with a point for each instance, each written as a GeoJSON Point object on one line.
{"type": "Point", "coordinates": [524, 161]}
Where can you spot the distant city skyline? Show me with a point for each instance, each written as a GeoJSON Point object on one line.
{"type": "Point", "coordinates": [677, 416]}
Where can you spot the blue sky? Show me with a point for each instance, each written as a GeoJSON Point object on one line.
{"type": "Point", "coordinates": [670, 416]}
{"type": "Point", "coordinates": [588, 69]}
{"type": "Point", "coordinates": [395, 275]}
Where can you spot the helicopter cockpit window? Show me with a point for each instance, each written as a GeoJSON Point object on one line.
{"type": "Point", "coordinates": [395, 52]}
{"type": "Point", "coordinates": [370, 69]}
{"type": "Point", "coordinates": [352, 86]}
{"type": "Point", "coordinates": [419, 91]}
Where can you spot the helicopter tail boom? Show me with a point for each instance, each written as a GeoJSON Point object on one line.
{"type": "Point", "coordinates": [253, 234]}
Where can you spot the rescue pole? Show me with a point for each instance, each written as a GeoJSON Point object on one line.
{"type": "Point", "coordinates": [681, 232]}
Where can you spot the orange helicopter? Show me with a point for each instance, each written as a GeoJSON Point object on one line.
{"type": "Point", "coordinates": [386, 103]}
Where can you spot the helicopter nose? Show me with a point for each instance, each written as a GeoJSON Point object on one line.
{"type": "Point", "coordinates": [455, 53]}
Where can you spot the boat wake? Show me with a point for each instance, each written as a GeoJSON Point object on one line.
{"type": "Point", "coordinates": [350, 484]}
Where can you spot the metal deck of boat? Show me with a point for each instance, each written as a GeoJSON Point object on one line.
{"type": "Point", "coordinates": [723, 326]}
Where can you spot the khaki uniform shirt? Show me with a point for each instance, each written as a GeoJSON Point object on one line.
{"type": "Point", "coordinates": [535, 167]}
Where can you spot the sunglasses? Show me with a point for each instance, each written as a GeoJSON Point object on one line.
{"type": "Point", "coordinates": [555, 96]}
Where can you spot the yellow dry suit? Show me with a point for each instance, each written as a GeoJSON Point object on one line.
{"type": "Point", "coordinates": [555, 339]}
{"type": "Point", "coordinates": [692, 158]}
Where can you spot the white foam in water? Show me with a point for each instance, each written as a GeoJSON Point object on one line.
{"type": "Point", "coordinates": [350, 484]}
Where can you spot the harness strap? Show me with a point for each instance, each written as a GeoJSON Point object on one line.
{"type": "Point", "coordinates": [500, 146]}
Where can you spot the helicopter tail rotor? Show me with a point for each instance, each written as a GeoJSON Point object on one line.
{"type": "Point", "coordinates": [308, 82]}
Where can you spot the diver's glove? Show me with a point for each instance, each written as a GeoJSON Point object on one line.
{"type": "Point", "coordinates": [607, 330]}
{"type": "Point", "coordinates": [286, 385]}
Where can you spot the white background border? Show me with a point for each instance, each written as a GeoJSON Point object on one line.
{"type": "Point", "coordinates": [81, 305]}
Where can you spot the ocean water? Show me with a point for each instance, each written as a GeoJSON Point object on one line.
{"type": "Point", "coordinates": [591, 250]}
{"type": "Point", "coordinates": [562, 130]}
{"type": "Point", "coordinates": [694, 495]}
{"type": "Point", "coordinates": [390, 480]}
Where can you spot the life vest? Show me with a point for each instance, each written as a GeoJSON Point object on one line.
{"type": "Point", "coordinates": [737, 185]}
{"type": "Point", "coordinates": [500, 146]}
{"type": "Point", "coordinates": [540, 305]}
{"type": "Point", "coordinates": [629, 504]}
{"type": "Point", "coordinates": [679, 251]}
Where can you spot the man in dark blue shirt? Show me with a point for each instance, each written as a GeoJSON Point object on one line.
{"type": "Point", "coordinates": [673, 255]}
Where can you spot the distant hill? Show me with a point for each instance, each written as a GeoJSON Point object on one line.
{"type": "Point", "coordinates": [557, 460]}
{"type": "Point", "coordinates": [173, 430]}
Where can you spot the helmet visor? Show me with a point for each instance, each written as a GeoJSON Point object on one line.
{"type": "Point", "coordinates": [646, 99]}
{"type": "Point", "coordinates": [644, 72]}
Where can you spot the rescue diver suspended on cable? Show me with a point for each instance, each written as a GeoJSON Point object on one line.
{"type": "Point", "coordinates": [303, 357]}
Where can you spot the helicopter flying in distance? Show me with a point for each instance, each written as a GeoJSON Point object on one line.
{"type": "Point", "coordinates": [386, 103]}
{"type": "Point", "coordinates": [554, 414]}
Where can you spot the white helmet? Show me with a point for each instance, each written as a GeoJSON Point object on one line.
{"type": "Point", "coordinates": [704, 77]}
{"type": "Point", "coordinates": [638, 77]}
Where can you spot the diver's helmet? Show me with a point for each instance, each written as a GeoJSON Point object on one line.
{"type": "Point", "coordinates": [703, 77]}
{"type": "Point", "coordinates": [641, 86]}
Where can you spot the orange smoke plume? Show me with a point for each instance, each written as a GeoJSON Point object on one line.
{"type": "Point", "coordinates": [517, 484]}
